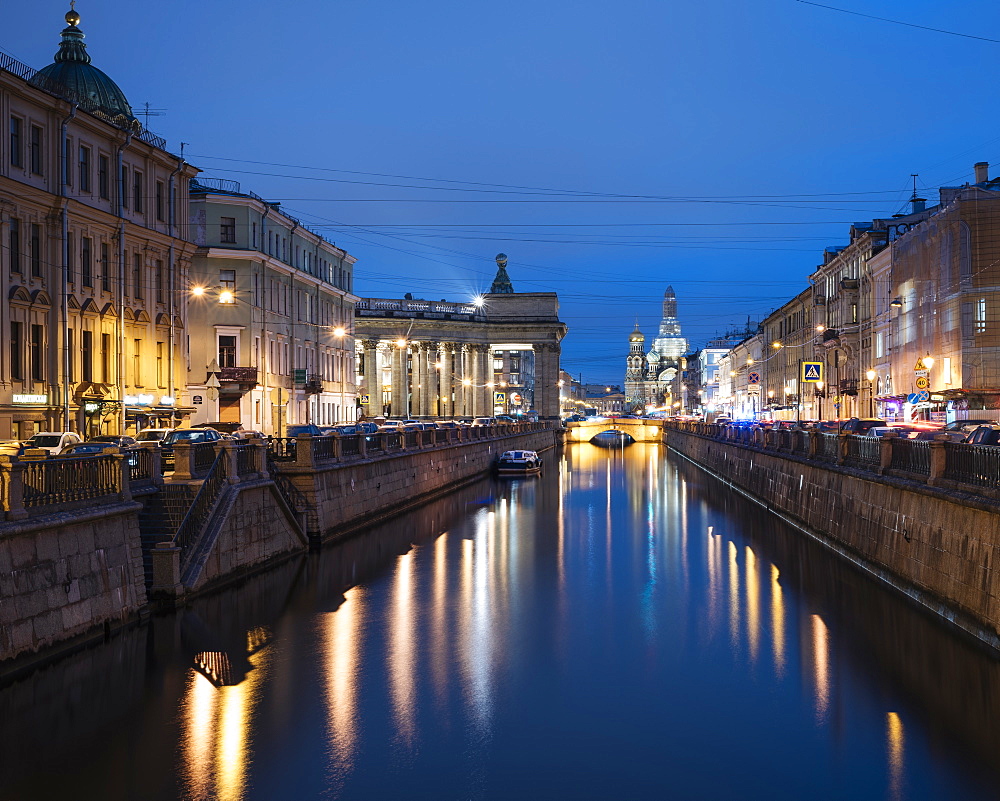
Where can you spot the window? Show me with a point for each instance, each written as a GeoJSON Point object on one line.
{"type": "Point", "coordinates": [87, 355]}
{"type": "Point", "coordinates": [123, 187]}
{"type": "Point", "coordinates": [17, 351]}
{"type": "Point", "coordinates": [37, 353]}
{"type": "Point", "coordinates": [70, 376]}
{"type": "Point", "coordinates": [36, 150]}
{"type": "Point", "coordinates": [137, 275]}
{"type": "Point", "coordinates": [103, 170]}
{"type": "Point", "coordinates": [16, 146]}
{"type": "Point", "coordinates": [227, 351]}
{"type": "Point", "coordinates": [227, 285]}
{"type": "Point", "coordinates": [105, 267]}
{"type": "Point", "coordinates": [14, 245]}
{"type": "Point", "coordinates": [159, 281]}
{"type": "Point", "coordinates": [36, 250]}
{"type": "Point", "coordinates": [137, 362]}
{"type": "Point", "coordinates": [981, 316]}
{"type": "Point", "coordinates": [86, 266]}
{"type": "Point", "coordinates": [228, 230]}
{"type": "Point", "coordinates": [70, 259]}
{"type": "Point", "coordinates": [159, 201]}
{"type": "Point", "coordinates": [106, 358]}
{"type": "Point", "coordinates": [84, 169]}
{"type": "Point", "coordinates": [137, 192]}
{"type": "Point", "coordinates": [254, 229]}
{"type": "Point", "coordinates": [159, 365]}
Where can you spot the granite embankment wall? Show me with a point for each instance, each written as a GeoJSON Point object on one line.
{"type": "Point", "coordinates": [940, 547]}
{"type": "Point", "coordinates": [69, 576]}
{"type": "Point", "coordinates": [346, 497]}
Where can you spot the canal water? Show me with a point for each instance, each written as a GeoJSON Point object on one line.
{"type": "Point", "coordinates": [620, 627]}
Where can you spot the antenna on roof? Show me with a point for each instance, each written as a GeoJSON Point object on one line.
{"type": "Point", "coordinates": [148, 112]}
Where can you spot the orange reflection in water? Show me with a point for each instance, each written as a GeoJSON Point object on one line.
{"type": "Point", "coordinates": [777, 623]}
{"type": "Point", "coordinates": [895, 741]}
{"type": "Point", "coordinates": [342, 633]}
{"type": "Point", "coordinates": [734, 596]}
{"type": "Point", "coordinates": [753, 604]}
{"type": "Point", "coordinates": [402, 650]}
{"type": "Point", "coordinates": [821, 666]}
{"type": "Point", "coordinates": [217, 727]}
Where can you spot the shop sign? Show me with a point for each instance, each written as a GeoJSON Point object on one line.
{"type": "Point", "coordinates": [30, 398]}
{"type": "Point", "coordinates": [197, 400]}
{"type": "Point", "coordinates": [166, 400]}
{"type": "Point", "coordinates": [138, 400]}
{"type": "Point", "coordinates": [91, 408]}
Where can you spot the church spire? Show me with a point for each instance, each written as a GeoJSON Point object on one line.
{"type": "Point", "coordinates": [502, 284]}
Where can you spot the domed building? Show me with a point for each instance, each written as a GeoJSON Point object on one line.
{"type": "Point", "coordinates": [93, 259]}
{"type": "Point", "coordinates": [649, 375]}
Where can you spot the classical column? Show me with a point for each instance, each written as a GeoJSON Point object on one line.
{"type": "Point", "coordinates": [476, 366]}
{"type": "Point", "coordinates": [397, 406]}
{"type": "Point", "coordinates": [373, 381]}
{"type": "Point", "coordinates": [445, 382]}
{"type": "Point", "coordinates": [486, 355]}
{"type": "Point", "coordinates": [429, 408]}
{"type": "Point", "coordinates": [416, 377]}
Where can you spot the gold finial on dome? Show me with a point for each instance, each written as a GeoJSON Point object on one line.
{"type": "Point", "coordinates": [72, 18]}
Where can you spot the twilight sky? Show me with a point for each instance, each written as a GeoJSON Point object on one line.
{"type": "Point", "coordinates": [610, 149]}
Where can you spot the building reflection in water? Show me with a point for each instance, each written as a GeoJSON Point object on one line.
{"type": "Point", "coordinates": [895, 745]}
{"type": "Point", "coordinates": [217, 723]}
{"type": "Point", "coordinates": [753, 603]}
{"type": "Point", "coordinates": [342, 641]}
{"type": "Point", "coordinates": [401, 662]}
{"type": "Point", "coordinates": [821, 666]}
{"type": "Point", "coordinates": [777, 623]}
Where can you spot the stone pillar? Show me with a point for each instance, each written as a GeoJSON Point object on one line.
{"type": "Point", "coordinates": [304, 452]}
{"type": "Point", "coordinates": [546, 376]}
{"type": "Point", "coordinates": [397, 407]}
{"type": "Point", "coordinates": [886, 444]}
{"type": "Point", "coordinates": [183, 454]}
{"type": "Point", "coordinates": [486, 357]}
{"type": "Point", "coordinates": [446, 384]}
{"type": "Point", "coordinates": [476, 374]}
{"type": "Point", "coordinates": [12, 487]}
{"type": "Point", "coordinates": [227, 448]}
{"type": "Point", "coordinates": [166, 561]}
{"type": "Point", "coordinates": [939, 461]}
{"type": "Point", "coordinates": [432, 388]}
{"type": "Point", "coordinates": [418, 406]}
{"type": "Point", "coordinates": [373, 379]}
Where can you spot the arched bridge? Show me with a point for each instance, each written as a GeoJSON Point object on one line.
{"type": "Point", "coordinates": [639, 430]}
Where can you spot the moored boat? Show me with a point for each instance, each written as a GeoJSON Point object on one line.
{"type": "Point", "coordinates": [518, 463]}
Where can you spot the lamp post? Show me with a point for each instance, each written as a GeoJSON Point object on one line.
{"type": "Point", "coordinates": [818, 392]}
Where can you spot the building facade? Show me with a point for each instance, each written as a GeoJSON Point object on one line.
{"type": "Point", "coordinates": [271, 314]}
{"type": "Point", "coordinates": [429, 359]}
{"type": "Point", "coordinates": [94, 261]}
{"type": "Point", "coordinates": [651, 376]}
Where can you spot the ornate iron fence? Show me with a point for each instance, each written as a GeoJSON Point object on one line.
{"type": "Point", "coordinates": [911, 456]}
{"type": "Point", "coordinates": [204, 457]}
{"type": "Point", "coordinates": [864, 452]}
{"type": "Point", "coordinates": [973, 464]}
{"type": "Point", "coordinates": [54, 481]}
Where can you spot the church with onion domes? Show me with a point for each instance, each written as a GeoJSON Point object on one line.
{"type": "Point", "coordinates": [649, 374]}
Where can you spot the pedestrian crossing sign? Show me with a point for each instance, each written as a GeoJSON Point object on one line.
{"type": "Point", "coordinates": [812, 372]}
{"type": "Point", "coordinates": [365, 400]}
{"type": "Point", "coordinates": [499, 398]}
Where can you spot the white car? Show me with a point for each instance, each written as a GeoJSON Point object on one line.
{"type": "Point", "coordinates": [152, 436]}
{"type": "Point", "coordinates": [53, 441]}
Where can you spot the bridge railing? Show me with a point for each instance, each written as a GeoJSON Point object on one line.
{"type": "Point", "coordinates": [971, 468]}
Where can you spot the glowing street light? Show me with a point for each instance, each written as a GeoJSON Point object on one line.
{"type": "Point", "coordinates": [339, 331]}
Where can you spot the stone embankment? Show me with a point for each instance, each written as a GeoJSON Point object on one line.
{"type": "Point", "coordinates": [939, 545]}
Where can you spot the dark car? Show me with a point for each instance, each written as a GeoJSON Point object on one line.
{"type": "Point", "coordinates": [120, 440]}
{"type": "Point", "coordinates": [967, 426]}
{"type": "Point", "coordinates": [862, 425]}
{"type": "Point", "coordinates": [194, 436]}
{"type": "Point", "coordinates": [231, 430]}
{"type": "Point", "coordinates": [985, 435]}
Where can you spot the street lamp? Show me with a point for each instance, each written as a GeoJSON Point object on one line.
{"type": "Point", "coordinates": [870, 375]}
{"type": "Point", "coordinates": [818, 392]}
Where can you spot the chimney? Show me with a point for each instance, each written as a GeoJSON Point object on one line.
{"type": "Point", "coordinates": [918, 203]}
{"type": "Point", "coordinates": [982, 172]}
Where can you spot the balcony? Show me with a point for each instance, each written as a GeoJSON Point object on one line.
{"type": "Point", "coordinates": [848, 386]}
{"type": "Point", "coordinates": [244, 376]}
{"type": "Point", "coordinates": [313, 384]}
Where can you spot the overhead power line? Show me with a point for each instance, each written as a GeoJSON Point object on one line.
{"type": "Point", "coordinates": [900, 22]}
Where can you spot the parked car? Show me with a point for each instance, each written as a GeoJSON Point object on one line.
{"type": "Point", "coordinates": [192, 436]}
{"type": "Point", "coordinates": [367, 427]}
{"type": "Point", "coordinates": [985, 435]}
{"type": "Point", "coordinates": [119, 440]}
{"type": "Point", "coordinates": [484, 421]}
{"type": "Point", "coordinates": [304, 428]}
{"type": "Point", "coordinates": [152, 436]}
{"type": "Point", "coordinates": [967, 426]}
{"type": "Point", "coordinates": [231, 430]}
{"type": "Point", "coordinates": [505, 418]}
{"type": "Point", "coordinates": [446, 424]}
{"type": "Point", "coordinates": [53, 441]}
{"type": "Point", "coordinates": [862, 425]}
{"type": "Point", "coordinates": [90, 449]}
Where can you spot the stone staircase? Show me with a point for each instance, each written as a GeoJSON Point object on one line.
{"type": "Point", "coordinates": [160, 518]}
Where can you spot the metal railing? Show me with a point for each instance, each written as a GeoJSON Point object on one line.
{"type": "Point", "coordinates": [911, 456]}
{"type": "Point", "coordinates": [829, 447]}
{"type": "Point", "coordinates": [203, 457]}
{"type": "Point", "coordinates": [247, 459]}
{"type": "Point", "coordinates": [53, 481]}
{"type": "Point", "coordinates": [864, 451]}
{"type": "Point", "coordinates": [140, 466]}
{"type": "Point", "coordinates": [201, 509]}
{"type": "Point", "coordinates": [973, 464]}
{"type": "Point", "coordinates": [281, 449]}
{"type": "Point", "coordinates": [350, 445]}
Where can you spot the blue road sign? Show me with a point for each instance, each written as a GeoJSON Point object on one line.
{"type": "Point", "coordinates": [753, 378]}
{"type": "Point", "coordinates": [812, 372]}
{"type": "Point", "coordinates": [918, 397]}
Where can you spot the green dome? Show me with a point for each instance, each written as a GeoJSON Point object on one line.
{"type": "Point", "coordinates": [73, 76]}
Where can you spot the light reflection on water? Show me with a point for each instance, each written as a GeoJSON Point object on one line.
{"type": "Point", "coordinates": [618, 628]}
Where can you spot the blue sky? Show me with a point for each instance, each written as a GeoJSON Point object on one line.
{"type": "Point", "coordinates": [608, 149]}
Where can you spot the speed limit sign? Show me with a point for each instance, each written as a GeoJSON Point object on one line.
{"type": "Point", "coordinates": [922, 382]}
